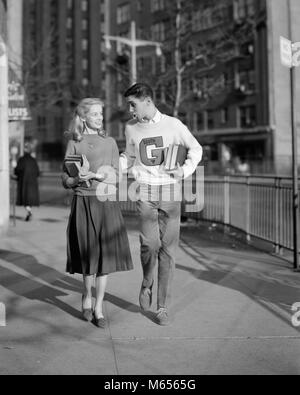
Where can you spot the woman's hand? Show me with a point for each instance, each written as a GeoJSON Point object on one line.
{"type": "Point", "coordinates": [84, 173]}
{"type": "Point", "coordinates": [86, 176]}
{"type": "Point", "coordinates": [92, 176]}
{"type": "Point", "coordinates": [85, 167]}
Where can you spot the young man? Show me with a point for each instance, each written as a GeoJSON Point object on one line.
{"type": "Point", "coordinates": [147, 137]}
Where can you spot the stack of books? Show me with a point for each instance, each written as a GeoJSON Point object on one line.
{"type": "Point", "coordinates": [72, 165]}
{"type": "Point", "coordinates": [175, 154]}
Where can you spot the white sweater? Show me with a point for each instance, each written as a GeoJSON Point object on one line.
{"type": "Point", "coordinates": [145, 144]}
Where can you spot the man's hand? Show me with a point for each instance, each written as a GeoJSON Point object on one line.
{"type": "Point", "coordinates": [100, 177]}
{"type": "Point", "coordinates": [176, 173]}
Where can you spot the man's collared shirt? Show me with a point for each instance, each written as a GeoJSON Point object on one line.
{"type": "Point", "coordinates": [157, 118]}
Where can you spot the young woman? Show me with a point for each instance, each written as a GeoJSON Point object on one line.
{"type": "Point", "coordinates": [97, 239]}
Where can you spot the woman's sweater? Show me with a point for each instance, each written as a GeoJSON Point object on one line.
{"type": "Point", "coordinates": [103, 156]}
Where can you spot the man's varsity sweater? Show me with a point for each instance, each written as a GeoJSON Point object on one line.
{"type": "Point", "coordinates": [145, 144]}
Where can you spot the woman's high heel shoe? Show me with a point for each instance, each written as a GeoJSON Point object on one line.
{"type": "Point", "coordinates": [100, 322]}
{"type": "Point", "coordinates": [87, 314]}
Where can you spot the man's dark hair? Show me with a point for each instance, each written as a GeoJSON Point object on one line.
{"type": "Point", "coordinates": [140, 91]}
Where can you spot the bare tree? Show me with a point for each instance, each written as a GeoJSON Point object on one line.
{"type": "Point", "coordinates": [51, 86]}
{"type": "Point", "coordinates": [191, 55]}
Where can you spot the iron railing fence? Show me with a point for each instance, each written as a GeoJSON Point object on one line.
{"type": "Point", "coordinates": [260, 206]}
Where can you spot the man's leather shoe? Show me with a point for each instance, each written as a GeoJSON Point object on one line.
{"type": "Point", "coordinates": [162, 317]}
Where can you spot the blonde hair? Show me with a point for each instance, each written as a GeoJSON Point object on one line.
{"type": "Point", "coordinates": [77, 126]}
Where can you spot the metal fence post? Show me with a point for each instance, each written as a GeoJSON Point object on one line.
{"type": "Point", "coordinates": [14, 185]}
{"type": "Point", "coordinates": [277, 215]}
{"type": "Point", "coordinates": [248, 216]}
{"type": "Point", "coordinates": [226, 203]}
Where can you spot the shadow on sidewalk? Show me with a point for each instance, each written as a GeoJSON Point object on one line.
{"type": "Point", "coordinates": [128, 306]}
{"type": "Point", "coordinates": [34, 290]}
{"type": "Point", "coordinates": [123, 304]}
{"type": "Point", "coordinates": [229, 269]}
{"type": "Point", "coordinates": [45, 273]}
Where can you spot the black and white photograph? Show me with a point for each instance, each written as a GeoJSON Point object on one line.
{"type": "Point", "coordinates": [149, 190]}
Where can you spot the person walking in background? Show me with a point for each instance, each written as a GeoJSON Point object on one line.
{"type": "Point", "coordinates": [27, 173]}
{"type": "Point", "coordinates": [96, 235]}
{"type": "Point", "coordinates": [147, 137]}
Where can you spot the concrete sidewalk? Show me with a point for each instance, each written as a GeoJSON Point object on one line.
{"type": "Point", "coordinates": [231, 311]}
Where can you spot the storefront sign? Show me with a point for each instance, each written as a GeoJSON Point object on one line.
{"type": "Point", "coordinates": [17, 105]}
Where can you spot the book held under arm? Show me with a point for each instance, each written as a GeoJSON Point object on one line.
{"type": "Point", "coordinates": [75, 167]}
{"type": "Point", "coordinates": [175, 154]}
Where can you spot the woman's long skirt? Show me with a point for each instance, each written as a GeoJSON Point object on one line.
{"type": "Point", "coordinates": [97, 238]}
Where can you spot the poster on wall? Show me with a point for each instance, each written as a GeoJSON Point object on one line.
{"type": "Point", "coordinates": [18, 112]}
{"type": "Point", "coordinates": [18, 109]}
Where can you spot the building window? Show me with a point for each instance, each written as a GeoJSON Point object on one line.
{"type": "Point", "coordinates": [224, 115]}
{"type": "Point", "coordinates": [157, 5]}
{"type": "Point", "coordinates": [84, 5]}
{"type": "Point", "coordinates": [69, 23]}
{"type": "Point", "coordinates": [140, 64]}
{"type": "Point", "coordinates": [243, 9]}
{"type": "Point", "coordinates": [140, 32]}
{"type": "Point", "coordinates": [84, 44]}
{"type": "Point", "coordinates": [210, 119]}
{"type": "Point", "coordinates": [123, 14]}
{"type": "Point", "coordinates": [163, 64]}
{"type": "Point", "coordinates": [85, 82]}
{"type": "Point", "coordinates": [248, 116]}
{"type": "Point", "coordinates": [70, 58]}
{"type": "Point", "coordinates": [158, 31]}
{"type": "Point", "coordinates": [146, 65]}
{"type": "Point", "coordinates": [139, 5]}
{"type": "Point", "coordinates": [102, 8]}
{"type": "Point", "coordinates": [58, 122]}
{"type": "Point", "coordinates": [210, 17]}
{"type": "Point", "coordinates": [70, 4]}
{"type": "Point", "coordinates": [202, 20]}
{"type": "Point", "coordinates": [200, 121]}
{"type": "Point", "coordinates": [247, 80]}
{"type": "Point", "coordinates": [41, 121]}
{"type": "Point", "coordinates": [84, 24]}
{"type": "Point", "coordinates": [120, 100]}
{"type": "Point", "coordinates": [69, 44]}
{"type": "Point", "coordinates": [85, 64]}
{"type": "Point", "coordinates": [125, 34]}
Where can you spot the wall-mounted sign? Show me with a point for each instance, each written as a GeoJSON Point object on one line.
{"type": "Point", "coordinates": [289, 53]}
{"type": "Point", "coordinates": [18, 109]}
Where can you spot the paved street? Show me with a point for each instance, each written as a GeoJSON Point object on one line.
{"type": "Point", "coordinates": [231, 311]}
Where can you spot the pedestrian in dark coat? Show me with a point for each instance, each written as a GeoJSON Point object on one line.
{"type": "Point", "coordinates": [27, 172]}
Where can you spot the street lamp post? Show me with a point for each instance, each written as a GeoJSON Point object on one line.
{"type": "Point", "coordinates": [294, 151]}
{"type": "Point", "coordinates": [133, 43]}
